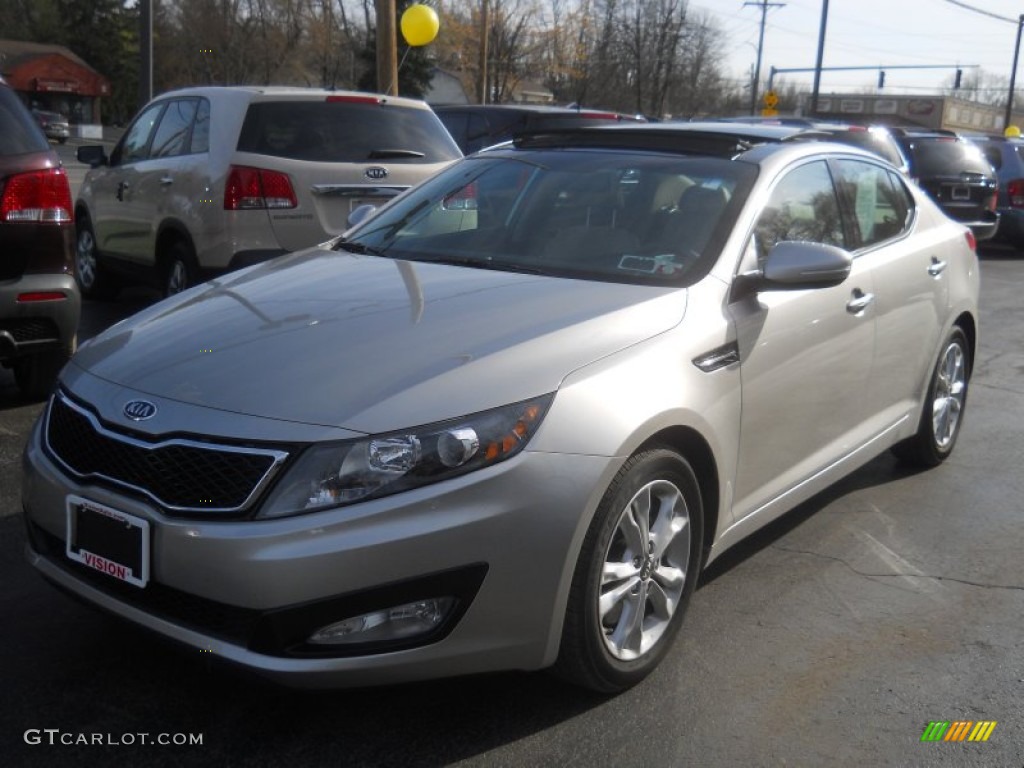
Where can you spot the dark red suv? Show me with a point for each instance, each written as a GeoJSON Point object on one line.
{"type": "Point", "coordinates": [39, 301]}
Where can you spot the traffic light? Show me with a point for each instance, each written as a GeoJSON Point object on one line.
{"type": "Point", "coordinates": [881, 78]}
{"type": "Point", "coordinates": [956, 81]}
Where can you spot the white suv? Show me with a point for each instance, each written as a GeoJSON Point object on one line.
{"type": "Point", "coordinates": [210, 179]}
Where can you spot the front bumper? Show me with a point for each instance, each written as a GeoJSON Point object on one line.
{"type": "Point", "coordinates": [247, 591]}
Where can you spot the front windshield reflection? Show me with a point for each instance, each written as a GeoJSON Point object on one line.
{"type": "Point", "coordinates": [626, 217]}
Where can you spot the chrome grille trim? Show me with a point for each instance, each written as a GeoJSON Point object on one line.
{"type": "Point", "coordinates": [277, 459]}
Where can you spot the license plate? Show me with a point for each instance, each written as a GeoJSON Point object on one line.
{"type": "Point", "coordinates": [961, 193]}
{"type": "Point", "coordinates": [108, 540]}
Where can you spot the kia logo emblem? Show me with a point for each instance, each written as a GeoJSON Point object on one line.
{"type": "Point", "coordinates": [139, 410]}
{"type": "Point", "coordinates": [376, 173]}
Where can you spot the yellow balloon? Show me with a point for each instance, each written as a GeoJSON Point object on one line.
{"type": "Point", "coordinates": [1012, 132]}
{"type": "Point", "coordinates": [419, 25]}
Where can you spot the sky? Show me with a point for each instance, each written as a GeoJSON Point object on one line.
{"type": "Point", "coordinates": [872, 33]}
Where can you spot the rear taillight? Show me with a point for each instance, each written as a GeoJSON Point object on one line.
{"type": "Point", "coordinates": [972, 241]}
{"type": "Point", "coordinates": [463, 200]}
{"type": "Point", "coordinates": [1015, 191]}
{"type": "Point", "coordinates": [38, 196]}
{"type": "Point", "coordinates": [250, 189]}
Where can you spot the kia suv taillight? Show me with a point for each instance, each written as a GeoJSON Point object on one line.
{"type": "Point", "coordinates": [38, 196]}
{"type": "Point", "coordinates": [250, 189]}
{"type": "Point", "coordinates": [1015, 192]}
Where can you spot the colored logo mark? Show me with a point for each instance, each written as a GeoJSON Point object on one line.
{"type": "Point", "coordinates": [958, 730]}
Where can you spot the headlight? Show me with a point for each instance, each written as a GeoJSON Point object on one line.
{"type": "Point", "coordinates": [335, 474]}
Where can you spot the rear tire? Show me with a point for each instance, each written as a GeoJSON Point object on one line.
{"type": "Point", "coordinates": [180, 269]}
{"type": "Point", "coordinates": [93, 280]}
{"type": "Point", "coordinates": [636, 571]}
{"type": "Point", "coordinates": [942, 415]}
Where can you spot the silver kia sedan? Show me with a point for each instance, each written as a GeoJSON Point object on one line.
{"type": "Point", "coordinates": [505, 421]}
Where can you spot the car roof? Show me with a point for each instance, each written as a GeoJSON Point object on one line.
{"type": "Point", "coordinates": [282, 92]}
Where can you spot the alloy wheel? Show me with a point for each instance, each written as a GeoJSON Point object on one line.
{"type": "Point", "coordinates": [950, 391]}
{"type": "Point", "coordinates": [645, 570]}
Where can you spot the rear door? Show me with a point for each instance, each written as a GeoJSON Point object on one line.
{"type": "Point", "coordinates": [911, 284]}
{"type": "Point", "coordinates": [340, 152]}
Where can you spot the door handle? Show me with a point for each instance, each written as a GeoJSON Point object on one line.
{"type": "Point", "coordinates": [166, 181]}
{"type": "Point", "coordinates": [121, 187]}
{"type": "Point", "coordinates": [859, 302]}
{"type": "Point", "coordinates": [937, 267]}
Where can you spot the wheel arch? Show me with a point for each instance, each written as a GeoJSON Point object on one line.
{"type": "Point", "coordinates": [967, 323]}
{"type": "Point", "coordinates": [692, 446]}
{"type": "Point", "coordinates": [169, 234]}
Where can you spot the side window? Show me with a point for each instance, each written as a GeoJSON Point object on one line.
{"type": "Point", "coordinates": [880, 208]}
{"type": "Point", "coordinates": [172, 133]}
{"type": "Point", "coordinates": [994, 156]}
{"type": "Point", "coordinates": [201, 129]}
{"type": "Point", "coordinates": [803, 206]}
{"type": "Point", "coordinates": [135, 144]}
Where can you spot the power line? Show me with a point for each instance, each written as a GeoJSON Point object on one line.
{"type": "Point", "coordinates": [982, 11]}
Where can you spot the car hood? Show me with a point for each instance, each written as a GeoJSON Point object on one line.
{"type": "Point", "coordinates": [373, 344]}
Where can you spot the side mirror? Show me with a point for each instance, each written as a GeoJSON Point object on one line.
{"type": "Point", "coordinates": [360, 213]}
{"type": "Point", "coordinates": [92, 155]}
{"type": "Point", "coordinates": [793, 266]}
{"type": "Point", "coordinates": [798, 265]}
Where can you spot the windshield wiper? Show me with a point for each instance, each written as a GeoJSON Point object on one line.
{"type": "Point", "coordinates": [380, 154]}
{"type": "Point", "coordinates": [353, 247]}
{"type": "Point", "coordinates": [463, 261]}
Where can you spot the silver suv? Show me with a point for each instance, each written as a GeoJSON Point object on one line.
{"type": "Point", "coordinates": [207, 180]}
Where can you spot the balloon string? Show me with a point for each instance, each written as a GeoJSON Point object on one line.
{"type": "Point", "coordinates": [399, 69]}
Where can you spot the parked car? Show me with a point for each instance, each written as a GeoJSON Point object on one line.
{"type": "Point", "coordinates": [39, 301]}
{"type": "Point", "coordinates": [874, 138]}
{"type": "Point", "coordinates": [954, 172]}
{"type": "Point", "coordinates": [1006, 156]}
{"type": "Point", "coordinates": [207, 180]}
{"type": "Point", "coordinates": [505, 421]}
{"type": "Point", "coordinates": [478, 126]}
{"type": "Point", "coordinates": [54, 124]}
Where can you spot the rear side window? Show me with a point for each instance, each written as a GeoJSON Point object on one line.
{"type": "Point", "coordinates": [345, 132]}
{"type": "Point", "coordinates": [21, 135]}
{"type": "Point", "coordinates": [172, 134]}
{"type": "Point", "coordinates": [880, 205]}
{"type": "Point", "coordinates": [201, 129]}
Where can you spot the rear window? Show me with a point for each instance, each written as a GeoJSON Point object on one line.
{"type": "Point", "coordinates": [21, 134]}
{"type": "Point", "coordinates": [870, 142]}
{"type": "Point", "coordinates": [345, 132]}
{"type": "Point", "coordinates": [947, 157]}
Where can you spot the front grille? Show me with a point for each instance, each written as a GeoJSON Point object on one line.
{"type": "Point", "coordinates": [30, 329]}
{"type": "Point", "coordinates": [228, 622]}
{"type": "Point", "coordinates": [180, 475]}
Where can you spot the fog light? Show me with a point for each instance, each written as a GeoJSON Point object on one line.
{"type": "Point", "coordinates": [396, 623]}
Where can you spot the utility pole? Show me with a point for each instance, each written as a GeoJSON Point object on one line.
{"type": "Point", "coordinates": [484, 22]}
{"type": "Point", "coordinates": [387, 48]}
{"type": "Point", "coordinates": [1013, 75]}
{"type": "Point", "coordinates": [821, 56]}
{"type": "Point", "coordinates": [764, 5]}
{"type": "Point", "coordinates": [146, 51]}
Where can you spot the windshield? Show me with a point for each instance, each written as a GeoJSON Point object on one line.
{"type": "Point", "coordinates": [594, 214]}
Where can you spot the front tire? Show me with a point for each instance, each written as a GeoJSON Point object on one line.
{"type": "Point", "coordinates": [943, 411]}
{"type": "Point", "coordinates": [636, 571]}
{"type": "Point", "coordinates": [93, 280]}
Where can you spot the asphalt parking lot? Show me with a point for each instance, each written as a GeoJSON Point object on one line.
{"type": "Point", "coordinates": [831, 638]}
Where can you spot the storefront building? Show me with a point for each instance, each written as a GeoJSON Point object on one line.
{"type": "Point", "coordinates": [53, 79]}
